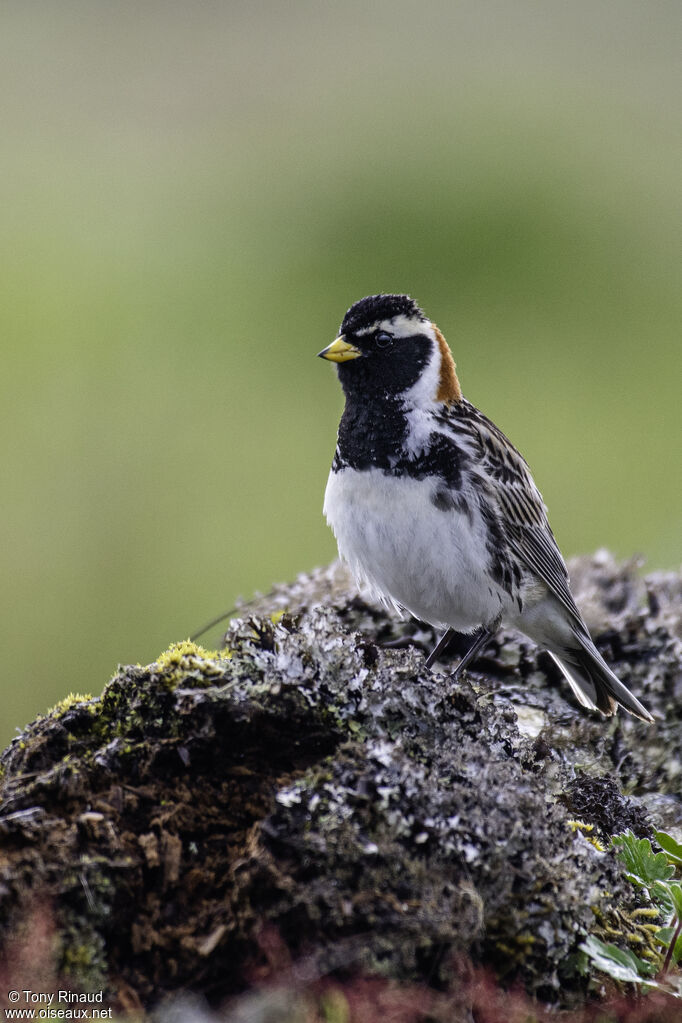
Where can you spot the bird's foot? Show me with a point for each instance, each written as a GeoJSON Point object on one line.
{"type": "Point", "coordinates": [478, 644]}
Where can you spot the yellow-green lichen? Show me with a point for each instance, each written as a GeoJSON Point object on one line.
{"type": "Point", "coordinates": [85, 963]}
{"type": "Point", "coordinates": [186, 658]}
{"type": "Point", "coordinates": [334, 1006]}
{"type": "Point", "coordinates": [629, 929]}
{"type": "Point", "coordinates": [70, 701]}
{"type": "Point", "coordinates": [579, 826]}
{"type": "Point", "coordinates": [585, 830]}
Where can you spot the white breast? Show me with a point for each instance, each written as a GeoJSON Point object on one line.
{"type": "Point", "coordinates": [410, 552]}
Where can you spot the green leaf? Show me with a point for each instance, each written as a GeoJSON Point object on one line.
{"type": "Point", "coordinates": [580, 961]}
{"type": "Point", "coordinates": [662, 898]}
{"type": "Point", "coordinates": [664, 935]}
{"type": "Point", "coordinates": [671, 848]}
{"type": "Point", "coordinates": [619, 963]}
{"type": "Point", "coordinates": [643, 866]}
{"type": "Point", "coordinates": [668, 898]}
{"type": "Point", "coordinates": [675, 890]}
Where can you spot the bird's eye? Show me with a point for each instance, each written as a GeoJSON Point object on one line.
{"type": "Point", "coordinates": [383, 339]}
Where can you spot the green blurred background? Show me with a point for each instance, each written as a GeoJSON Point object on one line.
{"type": "Point", "coordinates": [192, 195]}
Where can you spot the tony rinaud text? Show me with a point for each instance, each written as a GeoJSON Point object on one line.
{"type": "Point", "coordinates": [50, 997]}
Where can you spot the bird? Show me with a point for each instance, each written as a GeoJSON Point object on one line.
{"type": "Point", "coordinates": [436, 512]}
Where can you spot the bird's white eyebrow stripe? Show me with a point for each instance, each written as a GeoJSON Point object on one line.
{"type": "Point", "coordinates": [397, 324]}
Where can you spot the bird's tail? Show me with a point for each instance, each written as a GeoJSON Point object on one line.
{"type": "Point", "coordinates": [592, 681]}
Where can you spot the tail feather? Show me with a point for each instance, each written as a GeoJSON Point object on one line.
{"type": "Point", "coordinates": [594, 684]}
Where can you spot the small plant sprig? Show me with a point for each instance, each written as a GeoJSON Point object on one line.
{"type": "Point", "coordinates": [655, 874]}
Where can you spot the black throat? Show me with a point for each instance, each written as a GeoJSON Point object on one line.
{"type": "Point", "coordinates": [373, 437]}
{"type": "Point", "coordinates": [371, 434]}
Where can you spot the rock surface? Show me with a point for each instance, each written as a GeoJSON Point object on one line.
{"type": "Point", "coordinates": [309, 782]}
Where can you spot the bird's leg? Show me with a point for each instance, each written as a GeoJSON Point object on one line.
{"type": "Point", "coordinates": [486, 633]}
{"type": "Point", "coordinates": [477, 645]}
{"type": "Point", "coordinates": [439, 647]}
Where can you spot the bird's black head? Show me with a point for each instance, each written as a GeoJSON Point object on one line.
{"type": "Point", "coordinates": [375, 308]}
{"type": "Point", "coordinates": [385, 345]}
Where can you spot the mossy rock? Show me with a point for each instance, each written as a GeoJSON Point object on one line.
{"type": "Point", "coordinates": [377, 816]}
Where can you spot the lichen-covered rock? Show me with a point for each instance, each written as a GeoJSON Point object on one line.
{"type": "Point", "coordinates": [309, 779]}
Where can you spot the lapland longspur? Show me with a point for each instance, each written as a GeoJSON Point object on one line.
{"type": "Point", "coordinates": [437, 511]}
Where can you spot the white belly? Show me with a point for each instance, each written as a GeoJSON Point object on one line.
{"type": "Point", "coordinates": [425, 560]}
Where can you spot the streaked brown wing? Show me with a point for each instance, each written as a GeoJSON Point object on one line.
{"type": "Point", "coordinates": [522, 513]}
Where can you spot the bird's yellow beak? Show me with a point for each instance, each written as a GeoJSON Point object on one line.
{"type": "Point", "coordinates": [340, 351]}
